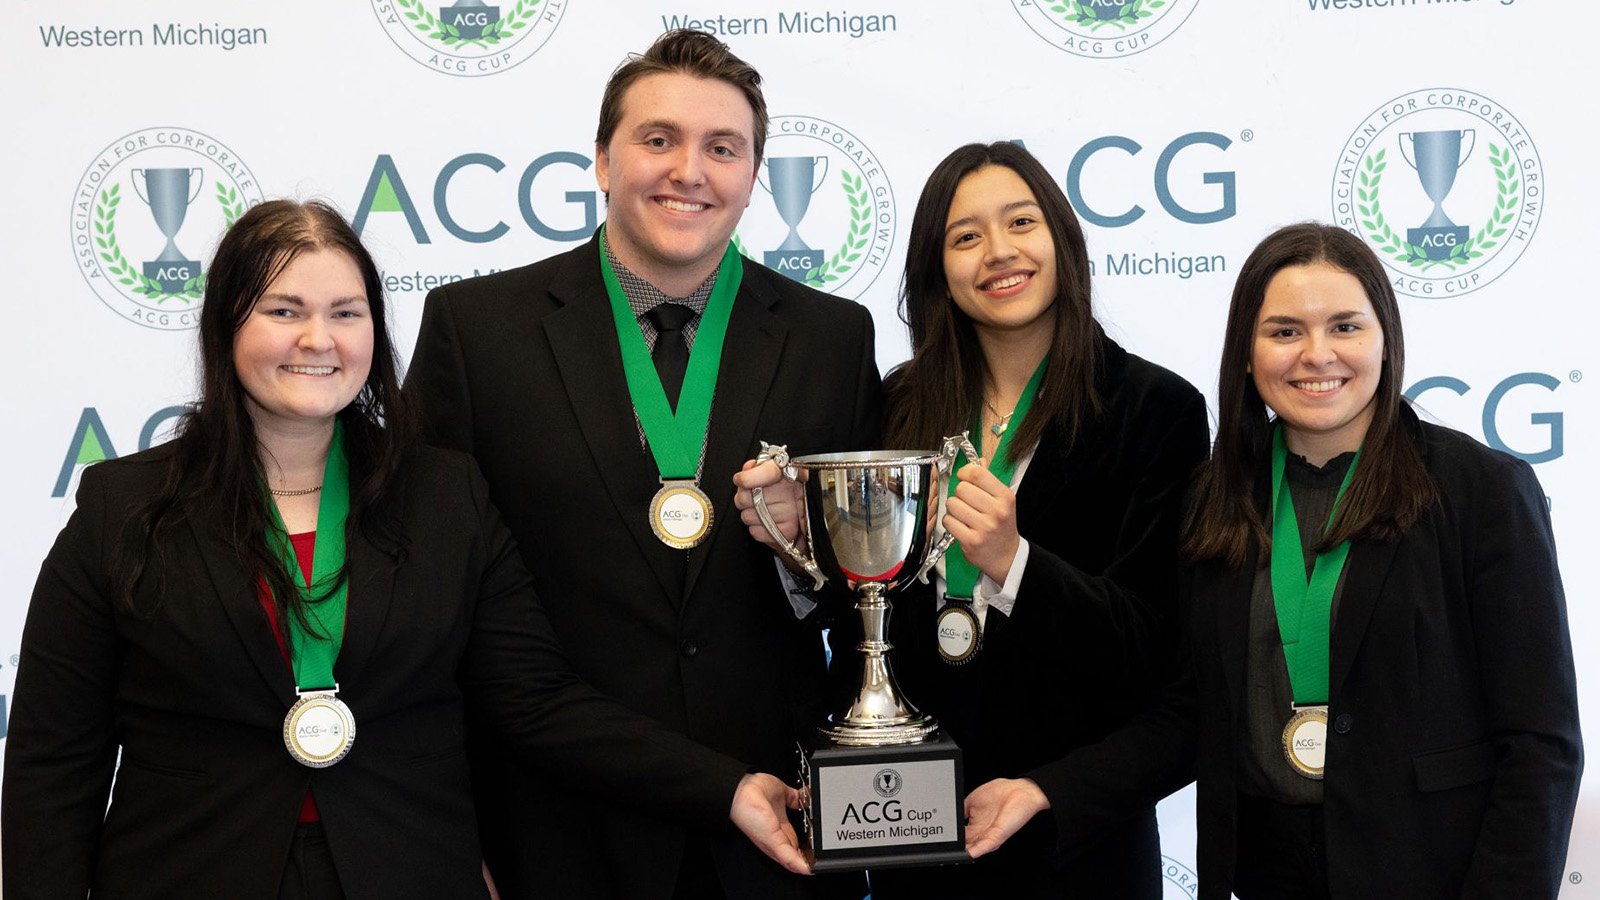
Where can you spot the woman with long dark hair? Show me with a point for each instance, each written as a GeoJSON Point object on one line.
{"type": "Point", "coordinates": [1379, 698]}
{"type": "Point", "coordinates": [261, 640]}
{"type": "Point", "coordinates": [1054, 611]}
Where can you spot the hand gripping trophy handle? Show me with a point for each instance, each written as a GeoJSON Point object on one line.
{"type": "Point", "coordinates": [961, 443]}
{"type": "Point", "coordinates": [779, 454]}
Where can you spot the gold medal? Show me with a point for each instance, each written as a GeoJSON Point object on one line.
{"type": "Point", "coordinates": [1305, 740]}
{"type": "Point", "coordinates": [680, 514]}
{"type": "Point", "coordinates": [958, 632]}
{"type": "Point", "coordinates": [319, 729]}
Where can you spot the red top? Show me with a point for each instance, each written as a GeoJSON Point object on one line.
{"type": "Point", "coordinates": [305, 545]}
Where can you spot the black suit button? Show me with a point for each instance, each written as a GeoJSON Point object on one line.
{"type": "Point", "coordinates": [689, 648]}
{"type": "Point", "coordinates": [1344, 723]}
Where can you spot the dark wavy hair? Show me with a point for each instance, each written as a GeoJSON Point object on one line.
{"type": "Point", "coordinates": [1391, 488]}
{"type": "Point", "coordinates": [687, 52]}
{"type": "Point", "coordinates": [936, 392]}
{"type": "Point", "coordinates": [216, 465]}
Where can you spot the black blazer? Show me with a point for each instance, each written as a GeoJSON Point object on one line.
{"type": "Point", "coordinates": [191, 690]}
{"type": "Point", "coordinates": [522, 370]}
{"type": "Point", "coordinates": [1453, 754]}
{"type": "Point", "coordinates": [1090, 639]}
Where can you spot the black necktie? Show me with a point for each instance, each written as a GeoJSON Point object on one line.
{"type": "Point", "coordinates": [671, 354]}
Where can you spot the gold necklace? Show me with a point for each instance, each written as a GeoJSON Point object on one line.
{"type": "Point", "coordinates": [299, 493]}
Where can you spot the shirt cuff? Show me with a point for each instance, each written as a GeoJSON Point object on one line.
{"type": "Point", "coordinates": [802, 599]}
{"type": "Point", "coordinates": [1002, 597]}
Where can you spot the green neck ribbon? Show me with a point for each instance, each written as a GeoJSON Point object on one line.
{"type": "Point", "coordinates": [675, 439]}
{"type": "Point", "coordinates": [961, 576]}
{"type": "Point", "coordinates": [1304, 607]}
{"type": "Point", "coordinates": [315, 649]}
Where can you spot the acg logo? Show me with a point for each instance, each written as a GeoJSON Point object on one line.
{"type": "Point", "coordinates": [1225, 201]}
{"type": "Point", "coordinates": [477, 223]}
{"type": "Point", "coordinates": [91, 443]}
{"type": "Point", "coordinates": [1553, 422]}
{"type": "Point", "coordinates": [872, 811]}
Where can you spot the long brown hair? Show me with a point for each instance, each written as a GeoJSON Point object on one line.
{"type": "Point", "coordinates": [936, 392]}
{"type": "Point", "coordinates": [216, 465]}
{"type": "Point", "coordinates": [1391, 488]}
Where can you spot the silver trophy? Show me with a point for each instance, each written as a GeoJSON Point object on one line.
{"type": "Point", "coordinates": [791, 180]}
{"type": "Point", "coordinates": [1436, 155]}
{"type": "Point", "coordinates": [884, 783]}
{"type": "Point", "coordinates": [168, 193]}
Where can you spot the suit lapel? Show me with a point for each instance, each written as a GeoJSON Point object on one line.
{"type": "Point", "coordinates": [749, 362]}
{"type": "Point", "coordinates": [1366, 570]}
{"type": "Point", "coordinates": [236, 591]}
{"type": "Point", "coordinates": [371, 597]}
{"type": "Point", "coordinates": [583, 338]}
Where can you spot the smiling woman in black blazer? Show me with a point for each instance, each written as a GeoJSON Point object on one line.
{"type": "Point", "coordinates": [1379, 698]}
{"type": "Point", "coordinates": [1053, 616]}
{"type": "Point", "coordinates": [294, 540]}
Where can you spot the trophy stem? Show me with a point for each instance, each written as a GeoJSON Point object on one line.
{"type": "Point", "coordinates": [879, 715]}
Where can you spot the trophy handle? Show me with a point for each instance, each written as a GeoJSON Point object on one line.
{"type": "Point", "coordinates": [954, 445]}
{"type": "Point", "coordinates": [1407, 145]}
{"type": "Point", "coordinates": [1471, 139]}
{"type": "Point", "coordinates": [822, 172]}
{"type": "Point", "coordinates": [779, 453]}
{"type": "Point", "coordinates": [138, 185]}
{"type": "Point", "coordinates": [197, 177]}
{"type": "Point", "coordinates": [761, 175]}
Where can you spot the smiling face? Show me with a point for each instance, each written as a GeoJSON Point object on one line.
{"type": "Point", "coordinates": [999, 256]}
{"type": "Point", "coordinates": [304, 351]}
{"type": "Point", "coordinates": [678, 172]}
{"type": "Point", "coordinates": [1317, 358]}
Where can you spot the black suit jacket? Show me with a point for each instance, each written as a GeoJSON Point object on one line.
{"type": "Point", "coordinates": [1091, 637]}
{"type": "Point", "coordinates": [1453, 751]}
{"type": "Point", "coordinates": [192, 690]}
{"type": "Point", "coordinates": [522, 369]}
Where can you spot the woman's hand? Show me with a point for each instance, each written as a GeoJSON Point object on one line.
{"type": "Point", "coordinates": [999, 809]}
{"type": "Point", "coordinates": [983, 517]}
{"type": "Point", "coordinates": [782, 498]}
{"type": "Point", "coordinates": [759, 810]}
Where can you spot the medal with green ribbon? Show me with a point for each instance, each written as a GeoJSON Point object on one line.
{"type": "Point", "coordinates": [680, 512]}
{"type": "Point", "coordinates": [1305, 611]}
{"type": "Point", "coordinates": [959, 635]}
{"type": "Point", "coordinates": [319, 728]}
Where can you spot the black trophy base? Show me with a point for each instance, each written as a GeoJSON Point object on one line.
{"type": "Point", "coordinates": [884, 807]}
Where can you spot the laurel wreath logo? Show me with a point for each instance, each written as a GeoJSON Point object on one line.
{"type": "Point", "coordinates": [423, 20]}
{"type": "Point", "coordinates": [1081, 14]}
{"type": "Point", "coordinates": [117, 264]}
{"type": "Point", "coordinates": [855, 241]}
{"type": "Point", "coordinates": [1507, 203]}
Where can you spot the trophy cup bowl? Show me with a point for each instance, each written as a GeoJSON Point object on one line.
{"type": "Point", "coordinates": [168, 193]}
{"type": "Point", "coordinates": [879, 762]}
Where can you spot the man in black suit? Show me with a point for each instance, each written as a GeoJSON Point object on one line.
{"type": "Point", "coordinates": [612, 459]}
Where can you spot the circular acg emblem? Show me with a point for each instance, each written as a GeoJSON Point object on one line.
{"type": "Point", "coordinates": [958, 633]}
{"type": "Point", "coordinates": [1305, 741]}
{"type": "Point", "coordinates": [680, 514]}
{"type": "Point", "coordinates": [319, 730]}
{"type": "Point", "coordinates": [471, 38]}
{"type": "Point", "coordinates": [146, 212]}
{"type": "Point", "coordinates": [1104, 29]}
{"type": "Point", "coordinates": [887, 782]}
{"type": "Point", "coordinates": [1445, 185]}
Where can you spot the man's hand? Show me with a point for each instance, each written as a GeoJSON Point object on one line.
{"type": "Point", "coordinates": [999, 809]}
{"type": "Point", "coordinates": [983, 517]}
{"type": "Point", "coordinates": [759, 805]}
{"type": "Point", "coordinates": [782, 497]}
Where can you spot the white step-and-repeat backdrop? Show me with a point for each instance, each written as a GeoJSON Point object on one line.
{"type": "Point", "coordinates": [460, 140]}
